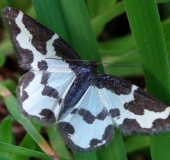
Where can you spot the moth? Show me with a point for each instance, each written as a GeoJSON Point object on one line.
{"type": "Point", "coordinates": [85, 105]}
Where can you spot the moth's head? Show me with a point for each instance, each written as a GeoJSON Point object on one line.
{"type": "Point", "coordinates": [93, 65]}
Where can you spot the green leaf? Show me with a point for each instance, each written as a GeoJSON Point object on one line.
{"type": "Point", "coordinates": [136, 143]}
{"type": "Point", "coordinates": [19, 4]}
{"type": "Point", "coordinates": [58, 144]}
{"type": "Point", "coordinates": [91, 156]}
{"type": "Point", "coordinates": [113, 11]}
{"type": "Point", "coordinates": [6, 130]}
{"type": "Point", "coordinates": [147, 31]}
{"type": "Point", "coordinates": [162, 1]}
{"type": "Point", "coordinates": [114, 46]}
{"type": "Point", "coordinates": [5, 158]}
{"type": "Point", "coordinates": [96, 7]}
{"type": "Point", "coordinates": [6, 133]}
{"type": "Point", "coordinates": [2, 60]}
{"type": "Point", "coordinates": [9, 84]}
{"type": "Point", "coordinates": [28, 143]}
{"type": "Point", "coordinates": [106, 14]}
{"type": "Point", "coordinates": [115, 149]}
{"type": "Point", "coordinates": [22, 151]}
{"type": "Point", "coordinates": [6, 47]}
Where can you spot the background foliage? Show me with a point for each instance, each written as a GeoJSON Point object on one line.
{"type": "Point", "coordinates": [100, 32]}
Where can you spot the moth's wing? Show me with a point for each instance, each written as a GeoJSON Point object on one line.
{"type": "Point", "coordinates": [87, 126]}
{"type": "Point", "coordinates": [42, 89]}
{"type": "Point", "coordinates": [132, 109]}
{"type": "Point", "coordinates": [36, 46]}
{"type": "Point", "coordinates": [41, 94]}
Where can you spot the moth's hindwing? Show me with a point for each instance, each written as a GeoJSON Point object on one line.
{"type": "Point", "coordinates": [88, 125]}
{"type": "Point", "coordinates": [132, 109]}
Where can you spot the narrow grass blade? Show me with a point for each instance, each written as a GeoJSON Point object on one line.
{"type": "Point", "coordinates": [22, 151]}
{"type": "Point", "coordinates": [96, 7]}
{"type": "Point", "coordinates": [147, 31]}
{"type": "Point", "coordinates": [115, 149]}
{"type": "Point", "coordinates": [8, 83]}
{"type": "Point", "coordinates": [136, 143]}
{"type": "Point", "coordinates": [57, 144]}
{"type": "Point", "coordinates": [28, 143]}
{"type": "Point", "coordinates": [113, 11]}
{"type": "Point", "coordinates": [88, 156]}
{"type": "Point", "coordinates": [6, 133]}
{"type": "Point", "coordinates": [6, 158]}
{"type": "Point", "coordinates": [162, 1]}
{"type": "Point", "coordinates": [2, 60]}
{"type": "Point", "coordinates": [114, 46]}
{"type": "Point", "coordinates": [6, 130]}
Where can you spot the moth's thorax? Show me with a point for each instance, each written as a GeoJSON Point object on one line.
{"type": "Point", "coordinates": [90, 68]}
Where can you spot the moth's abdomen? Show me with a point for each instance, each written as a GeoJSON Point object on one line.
{"type": "Point", "coordinates": [79, 86]}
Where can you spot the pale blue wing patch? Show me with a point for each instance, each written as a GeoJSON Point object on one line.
{"type": "Point", "coordinates": [88, 126]}
{"type": "Point", "coordinates": [41, 94]}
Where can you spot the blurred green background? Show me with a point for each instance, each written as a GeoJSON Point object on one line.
{"type": "Point", "coordinates": [107, 39]}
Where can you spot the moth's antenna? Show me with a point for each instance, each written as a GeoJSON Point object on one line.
{"type": "Point", "coordinates": [74, 60]}
{"type": "Point", "coordinates": [119, 65]}
{"type": "Point", "coordinates": [99, 63]}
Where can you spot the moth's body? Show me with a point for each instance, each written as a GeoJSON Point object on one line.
{"type": "Point", "coordinates": [85, 105]}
